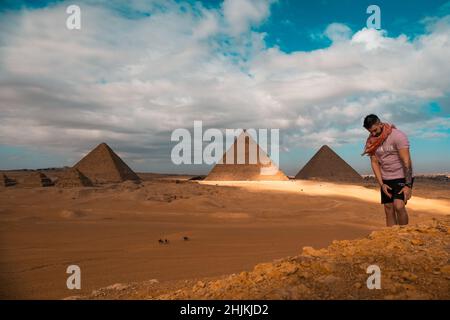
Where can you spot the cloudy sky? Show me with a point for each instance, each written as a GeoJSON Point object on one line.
{"type": "Point", "coordinates": [137, 71]}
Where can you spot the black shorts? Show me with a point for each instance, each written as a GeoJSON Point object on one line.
{"type": "Point", "coordinates": [396, 185]}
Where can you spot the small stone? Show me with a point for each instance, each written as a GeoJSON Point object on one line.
{"type": "Point", "coordinates": [408, 276]}
{"type": "Point", "coordinates": [417, 242]}
{"type": "Point", "coordinates": [153, 281]}
{"type": "Point", "coordinates": [117, 286]}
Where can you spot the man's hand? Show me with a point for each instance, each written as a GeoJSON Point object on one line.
{"type": "Point", "coordinates": [406, 192]}
{"type": "Point", "coordinates": [385, 188]}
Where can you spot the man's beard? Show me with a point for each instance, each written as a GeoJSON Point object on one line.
{"type": "Point", "coordinates": [381, 131]}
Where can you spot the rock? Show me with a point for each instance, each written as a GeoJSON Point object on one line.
{"type": "Point", "coordinates": [357, 285]}
{"type": "Point", "coordinates": [288, 268]}
{"type": "Point", "coordinates": [117, 286]}
{"type": "Point", "coordinates": [405, 256]}
{"type": "Point", "coordinates": [310, 251]}
{"type": "Point", "coordinates": [417, 242]}
{"type": "Point", "coordinates": [263, 268]}
{"type": "Point", "coordinates": [154, 281]}
{"type": "Point", "coordinates": [408, 276]}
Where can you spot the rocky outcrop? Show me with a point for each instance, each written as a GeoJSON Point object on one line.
{"type": "Point", "coordinates": [413, 260]}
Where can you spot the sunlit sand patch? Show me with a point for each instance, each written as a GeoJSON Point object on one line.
{"type": "Point", "coordinates": [315, 188]}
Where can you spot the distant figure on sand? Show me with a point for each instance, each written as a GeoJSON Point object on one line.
{"type": "Point", "coordinates": [388, 149]}
{"type": "Point", "coordinates": [185, 238]}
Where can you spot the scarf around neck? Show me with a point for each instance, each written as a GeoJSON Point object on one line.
{"type": "Point", "coordinates": [373, 143]}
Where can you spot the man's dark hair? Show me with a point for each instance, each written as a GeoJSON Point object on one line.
{"type": "Point", "coordinates": [370, 120]}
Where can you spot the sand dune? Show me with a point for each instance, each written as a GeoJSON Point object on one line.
{"type": "Point", "coordinates": [315, 188]}
{"type": "Point", "coordinates": [111, 231]}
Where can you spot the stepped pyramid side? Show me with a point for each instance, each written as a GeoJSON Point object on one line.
{"type": "Point", "coordinates": [242, 168]}
{"type": "Point", "coordinates": [102, 165]}
{"type": "Point", "coordinates": [35, 179]}
{"type": "Point", "coordinates": [7, 182]}
{"type": "Point", "coordinates": [72, 177]}
{"type": "Point", "coordinates": [328, 165]}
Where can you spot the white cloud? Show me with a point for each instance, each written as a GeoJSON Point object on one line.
{"type": "Point", "coordinates": [133, 81]}
{"type": "Point", "coordinates": [337, 32]}
{"type": "Point", "coordinates": [241, 14]}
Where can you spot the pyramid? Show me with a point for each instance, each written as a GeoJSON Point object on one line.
{"type": "Point", "coordinates": [7, 182]}
{"type": "Point", "coordinates": [35, 179]}
{"type": "Point", "coordinates": [72, 177]}
{"type": "Point", "coordinates": [327, 165]}
{"type": "Point", "coordinates": [245, 170]}
{"type": "Point", "coordinates": [102, 165]}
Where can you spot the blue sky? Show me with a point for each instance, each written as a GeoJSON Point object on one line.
{"type": "Point", "coordinates": [137, 71]}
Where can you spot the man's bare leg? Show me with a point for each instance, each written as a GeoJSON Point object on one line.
{"type": "Point", "coordinates": [400, 210]}
{"type": "Point", "coordinates": [391, 218]}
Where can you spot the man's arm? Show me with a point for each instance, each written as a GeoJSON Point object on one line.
{"type": "Point", "coordinates": [377, 171]}
{"type": "Point", "coordinates": [407, 167]}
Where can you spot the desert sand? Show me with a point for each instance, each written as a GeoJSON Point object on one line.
{"type": "Point", "coordinates": [413, 262]}
{"type": "Point", "coordinates": [112, 230]}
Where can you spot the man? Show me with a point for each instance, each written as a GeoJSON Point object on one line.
{"type": "Point", "coordinates": [388, 149]}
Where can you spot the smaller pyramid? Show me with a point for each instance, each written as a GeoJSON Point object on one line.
{"type": "Point", "coordinates": [232, 168]}
{"type": "Point", "coordinates": [7, 182]}
{"type": "Point", "coordinates": [72, 177]}
{"type": "Point", "coordinates": [36, 179]}
{"type": "Point", "coordinates": [329, 166]}
{"type": "Point", "coordinates": [103, 165]}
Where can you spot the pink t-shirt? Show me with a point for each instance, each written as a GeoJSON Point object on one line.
{"type": "Point", "coordinates": [388, 156]}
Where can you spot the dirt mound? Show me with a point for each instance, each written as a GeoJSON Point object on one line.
{"type": "Point", "coordinates": [103, 165]}
{"type": "Point", "coordinates": [327, 165]}
{"type": "Point", "coordinates": [414, 264]}
{"type": "Point", "coordinates": [73, 178]}
{"type": "Point", "coordinates": [236, 165]}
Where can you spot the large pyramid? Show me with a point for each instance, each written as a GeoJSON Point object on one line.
{"type": "Point", "coordinates": [102, 165]}
{"type": "Point", "coordinates": [327, 165]}
{"type": "Point", "coordinates": [234, 168]}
